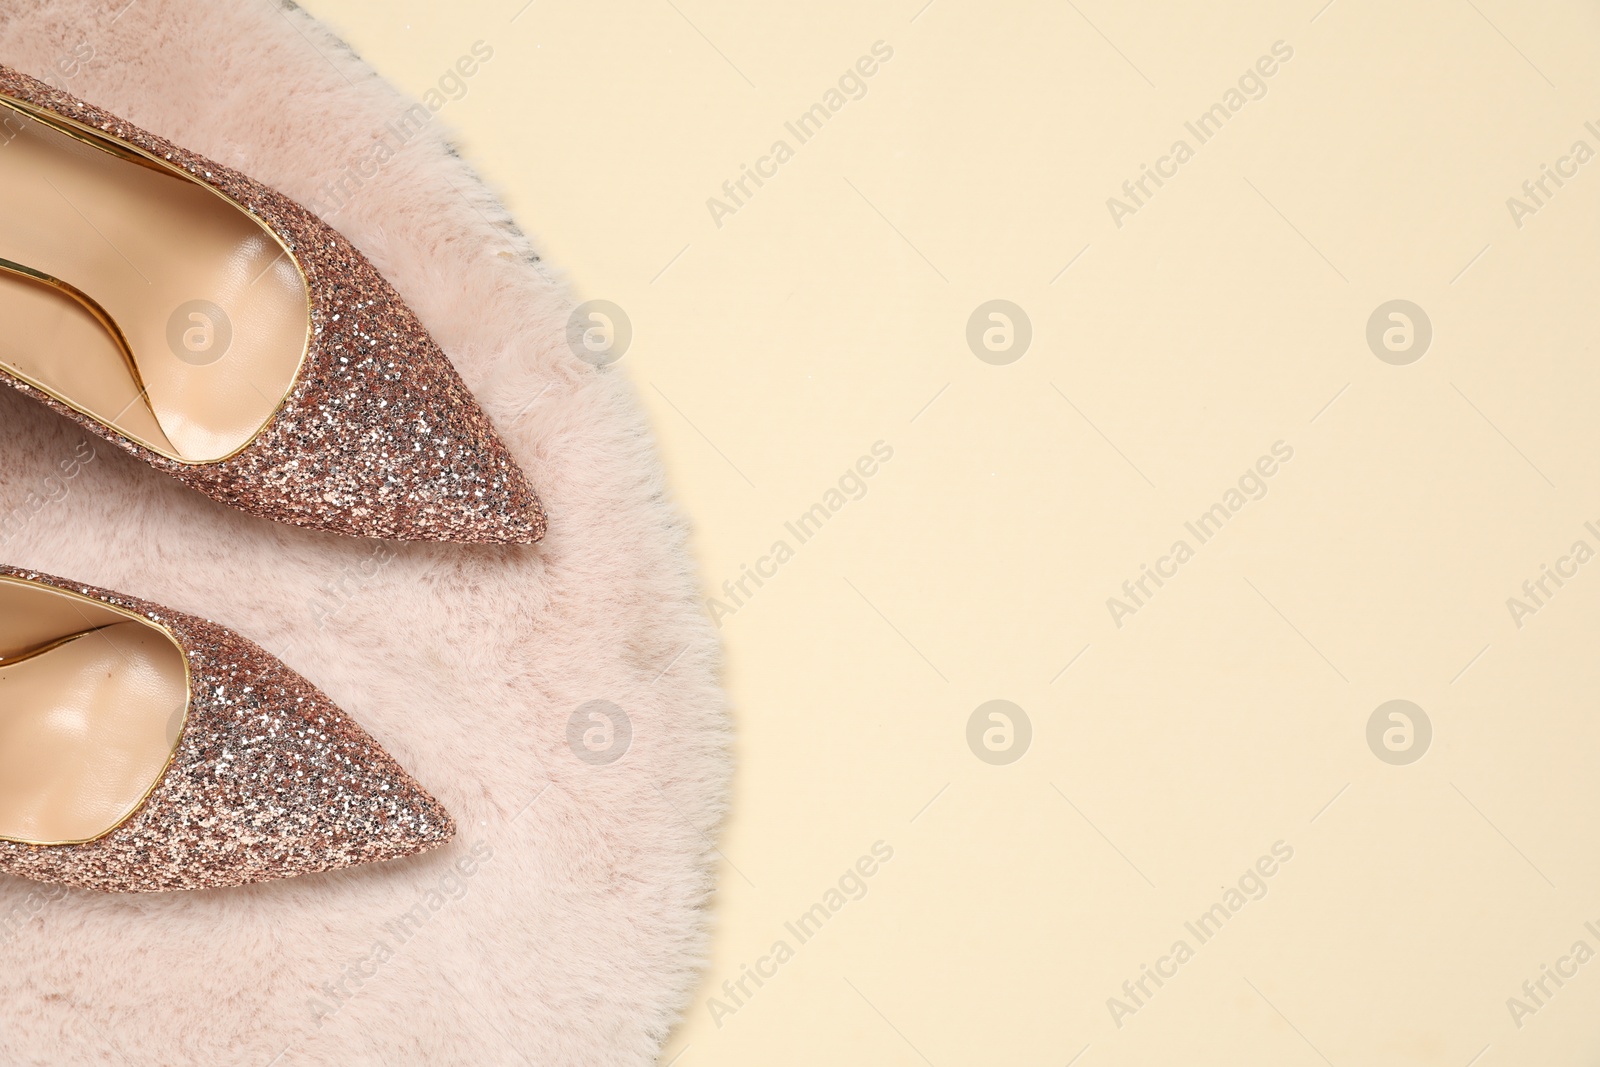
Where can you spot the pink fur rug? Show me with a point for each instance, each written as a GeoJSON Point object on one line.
{"type": "Point", "coordinates": [568, 923]}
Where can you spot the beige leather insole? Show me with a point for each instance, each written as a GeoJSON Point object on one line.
{"type": "Point", "coordinates": [91, 707]}
{"type": "Point", "coordinates": [213, 310]}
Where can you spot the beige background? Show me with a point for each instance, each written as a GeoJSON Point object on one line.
{"type": "Point", "coordinates": [1229, 313]}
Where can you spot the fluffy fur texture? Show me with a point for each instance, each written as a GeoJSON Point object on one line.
{"type": "Point", "coordinates": [568, 923]}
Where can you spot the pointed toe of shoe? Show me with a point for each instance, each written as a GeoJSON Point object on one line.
{"type": "Point", "coordinates": [268, 779]}
{"type": "Point", "coordinates": [279, 767]}
{"type": "Point", "coordinates": [381, 438]}
{"type": "Point", "coordinates": [377, 435]}
{"type": "Point", "coordinates": [507, 512]}
{"type": "Point", "coordinates": [271, 780]}
{"type": "Point", "coordinates": [423, 832]}
{"type": "Point", "coordinates": [404, 821]}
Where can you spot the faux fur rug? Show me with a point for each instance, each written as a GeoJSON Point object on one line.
{"type": "Point", "coordinates": [562, 701]}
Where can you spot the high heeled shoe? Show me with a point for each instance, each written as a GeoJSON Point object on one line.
{"type": "Point", "coordinates": [223, 334]}
{"type": "Point", "coordinates": [146, 750]}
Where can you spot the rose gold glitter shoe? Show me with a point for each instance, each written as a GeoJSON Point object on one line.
{"type": "Point", "coordinates": [145, 750]}
{"type": "Point", "coordinates": [223, 334]}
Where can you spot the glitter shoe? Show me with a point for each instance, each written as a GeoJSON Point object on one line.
{"type": "Point", "coordinates": [223, 334]}
{"type": "Point", "coordinates": [144, 750]}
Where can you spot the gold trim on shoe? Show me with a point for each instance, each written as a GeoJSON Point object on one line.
{"type": "Point", "coordinates": [110, 145]}
{"type": "Point", "coordinates": [94, 308]}
{"type": "Point", "coordinates": [49, 646]}
{"type": "Point", "coordinates": [188, 680]}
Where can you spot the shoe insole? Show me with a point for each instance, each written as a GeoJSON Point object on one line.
{"type": "Point", "coordinates": [87, 725]}
{"type": "Point", "coordinates": [211, 311]}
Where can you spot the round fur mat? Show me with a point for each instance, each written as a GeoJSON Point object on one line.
{"type": "Point", "coordinates": [568, 922]}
